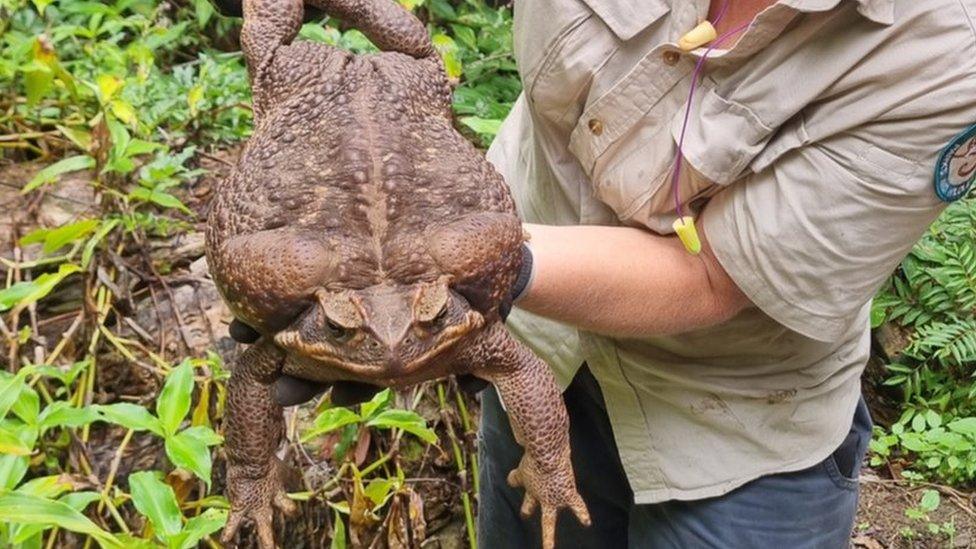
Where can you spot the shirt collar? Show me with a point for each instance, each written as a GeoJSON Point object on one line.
{"type": "Point", "coordinates": [879, 11]}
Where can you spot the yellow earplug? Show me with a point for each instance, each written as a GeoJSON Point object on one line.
{"type": "Point", "coordinates": [698, 36]}
{"type": "Point", "coordinates": [685, 227]}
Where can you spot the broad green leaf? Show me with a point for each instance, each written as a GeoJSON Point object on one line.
{"type": "Point", "coordinates": [482, 125]}
{"type": "Point", "coordinates": [52, 172]}
{"type": "Point", "coordinates": [57, 238]}
{"type": "Point", "coordinates": [79, 500]}
{"type": "Point", "coordinates": [108, 86]}
{"type": "Point", "coordinates": [380, 402]}
{"type": "Point", "coordinates": [448, 49]}
{"type": "Point", "coordinates": [204, 11]}
{"type": "Point", "coordinates": [965, 426]}
{"type": "Point", "coordinates": [379, 490]}
{"type": "Point", "coordinates": [130, 416]}
{"type": "Point", "coordinates": [10, 443]}
{"type": "Point", "coordinates": [26, 509]}
{"type": "Point", "coordinates": [155, 499]}
{"type": "Point", "coordinates": [10, 388]}
{"type": "Point", "coordinates": [204, 434]}
{"type": "Point", "coordinates": [63, 414]}
{"type": "Point", "coordinates": [49, 487]}
{"type": "Point", "coordinates": [174, 400]}
{"type": "Point", "coordinates": [190, 453]}
{"type": "Point", "coordinates": [38, 288]}
{"type": "Point", "coordinates": [330, 420]}
{"type": "Point", "coordinates": [200, 527]}
{"type": "Point", "coordinates": [124, 111]}
{"type": "Point", "coordinates": [39, 77]}
{"type": "Point", "coordinates": [409, 421]}
{"type": "Point", "coordinates": [27, 406]}
{"type": "Point", "coordinates": [81, 138]}
{"type": "Point", "coordinates": [930, 500]}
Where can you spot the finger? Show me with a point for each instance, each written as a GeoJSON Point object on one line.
{"type": "Point", "coordinates": [579, 509]}
{"type": "Point", "coordinates": [347, 393]}
{"type": "Point", "coordinates": [242, 333]}
{"type": "Point", "coordinates": [286, 505]}
{"type": "Point", "coordinates": [290, 391]}
{"type": "Point", "coordinates": [515, 478]}
{"type": "Point", "coordinates": [230, 529]}
{"type": "Point", "coordinates": [470, 384]}
{"type": "Point", "coordinates": [529, 504]}
{"type": "Point", "coordinates": [548, 527]}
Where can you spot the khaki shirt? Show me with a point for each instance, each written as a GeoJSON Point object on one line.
{"type": "Point", "coordinates": [813, 142]}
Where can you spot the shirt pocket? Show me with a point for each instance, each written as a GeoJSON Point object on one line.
{"type": "Point", "coordinates": [633, 174]}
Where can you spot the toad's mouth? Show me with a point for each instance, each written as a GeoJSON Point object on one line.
{"type": "Point", "coordinates": [328, 354]}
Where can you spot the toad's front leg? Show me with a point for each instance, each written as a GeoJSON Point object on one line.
{"type": "Point", "coordinates": [255, 427]}
{"type": "Point", "coordinates": [539, 423]}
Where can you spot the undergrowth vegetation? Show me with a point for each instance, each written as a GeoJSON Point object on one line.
{"type": "Point", "coordinates": [927, 318]}
{"type": "Point", "coordinates": [111, 408]}
{"type": "Point", "coordinates": [110, 415]}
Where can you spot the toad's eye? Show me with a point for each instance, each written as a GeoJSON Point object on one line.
{"type": "Point", "coordinates": [441, 316]}
{"type": "Point", "coordinates": [337, 332]}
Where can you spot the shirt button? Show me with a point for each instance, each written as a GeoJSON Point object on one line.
{"type": "Point", "coordinates": [671, 57]}
{"type": "Point", "coordinates": [596, 126]}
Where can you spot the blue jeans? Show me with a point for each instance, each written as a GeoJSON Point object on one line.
{"type": "Point", "coordinates": [812, 508]}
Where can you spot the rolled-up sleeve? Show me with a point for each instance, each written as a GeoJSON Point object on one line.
{"type": "Point", "coordinates": [810, 239]}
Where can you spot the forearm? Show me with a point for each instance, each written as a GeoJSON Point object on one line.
{"type": "Point", "coordinates": [626, 282]}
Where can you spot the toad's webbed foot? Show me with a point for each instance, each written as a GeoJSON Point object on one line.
{"type": "Point", "coordinates": [254, 498]}
{"type": "Point", "coordinates": [539, 423]}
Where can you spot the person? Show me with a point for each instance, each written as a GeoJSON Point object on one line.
{"type": "Point", "coordinates": [714, 399]}
{"type": "Point", "coordinates": [713, 390]}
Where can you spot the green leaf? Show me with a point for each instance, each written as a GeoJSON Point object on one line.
{"type": "Point", "coordinates": [879, 311]}
{"type": "Point", "coordinates": [448, 49]}
{"type": "Point", "coordinates": [174, 400]}
{"type": "Point", "coordinates": [81, 138]}
{"type": "Point", "coordinates": [409, 421]}
{"type": "Point", "coordinates": [338, 533]}
{"type": "Point", "coordinates": [62, 414]}
{"type": "Point", "coordinates": [25, 293]}
{"type": "Point", "coordinates": [190, 453]}
{"type": "Point", "coordinates": [130, 416]}
{"type": "Point", "coordinates": [379, 490]}
{"type": "Point", "coordinates": [10, 388]}
{"type": "Point", "coordinates": [52, 172]}
{"type": "Point", "coordinates": [155, 499]}
{"type": "Point", "coordinates": [10, 443]}
{"type": "Point", "coordinates": [965, 426]}
{"type": "Point", "coordinates": [930, 500]}
{"type": "Point", "coordinates": [330, 420]}
{"type": "Point", "coordinates": [380, 402]}
{"type": "Point", "coordinates": [57, 238]}
{"type": "Point", "coordinates": [204, 434]}
{"type": "Point", "coordinates": [482, 125]}
{"type": "Point", "coordinates": [89, 249]}
{"type": "Point", "coordinates": [26, 509]}
{"type": "Point", "coordinates": [204, 12]}
{"type": "Point", "coordinates": [933, 418]}
{"type": "Point", "coordinates": [200, 527]}
{"type": "Point", "coordinates": [49, 487]}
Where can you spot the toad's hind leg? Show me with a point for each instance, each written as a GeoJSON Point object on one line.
{"type": "Point", "coordinates": [254, 431]}
{"type": "Point", "coordinates": [539, 423]}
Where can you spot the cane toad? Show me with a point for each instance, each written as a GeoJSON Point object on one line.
{"type": "Point", "coordinates": [366, 240]}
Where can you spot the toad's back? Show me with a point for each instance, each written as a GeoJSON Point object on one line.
{"type": "Point", "coordinates": [359, 151]}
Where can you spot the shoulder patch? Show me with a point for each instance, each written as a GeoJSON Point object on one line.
{"type": "Point", "coordinates": [955, 171]}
